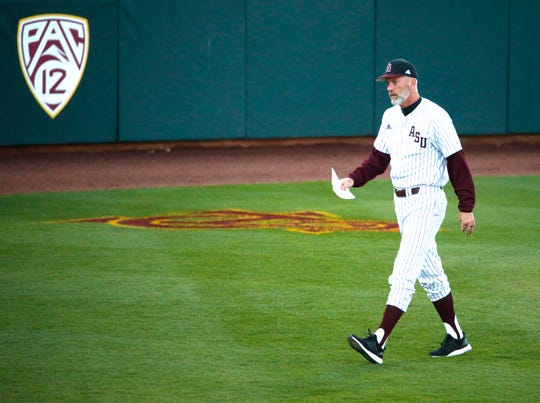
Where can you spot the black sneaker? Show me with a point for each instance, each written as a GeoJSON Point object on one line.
{"type": "Point", "coordinates": [451, 347]}
{"type": "Point", "coordinates": [368, 347]}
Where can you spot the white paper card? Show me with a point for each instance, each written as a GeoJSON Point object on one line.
{"type": "Point", "coordinates": [336, 187]}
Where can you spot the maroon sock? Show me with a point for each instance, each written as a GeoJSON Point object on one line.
{"type": "Point", "coordinates": [445, 309]}
{"type": "Point", "coordinates": [390, 318]}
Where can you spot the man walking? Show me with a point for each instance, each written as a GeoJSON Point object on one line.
{"type": "Point", "coordinates": [418, 139]}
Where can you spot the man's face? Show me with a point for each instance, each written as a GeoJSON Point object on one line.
{"type": "Point", "coordinates": [399, 89]}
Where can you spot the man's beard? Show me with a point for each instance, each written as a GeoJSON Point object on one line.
{"type": "Point", "coordinates": [401, 98]}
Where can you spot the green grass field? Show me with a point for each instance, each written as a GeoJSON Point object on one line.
{"type": "Point", "coordinates": [98, 312]}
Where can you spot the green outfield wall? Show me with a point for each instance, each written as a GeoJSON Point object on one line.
{"type": "Point", "coordinates": [107, 71]}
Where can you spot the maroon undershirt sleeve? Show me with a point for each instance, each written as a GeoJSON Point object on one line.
{"type": "Point", "coordinates": [461, 179]}
{"type": "Point", "coordinates": [375, 164]}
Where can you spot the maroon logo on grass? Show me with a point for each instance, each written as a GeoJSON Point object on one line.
{"type": "Point", "coordinates": [53, 49]}
{"type": "Point", "coordinates": [311, 222]}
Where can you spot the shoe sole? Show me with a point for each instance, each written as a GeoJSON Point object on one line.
{"type": "Point", "coordinates": [359, 347]}
{"type": "Point", "coordinates": [454, 353]}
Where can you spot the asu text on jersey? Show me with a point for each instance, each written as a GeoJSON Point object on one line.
{"type": "Point", "coordinates": [418, 144]}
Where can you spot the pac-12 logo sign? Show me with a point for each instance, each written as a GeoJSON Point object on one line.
{"type": "Point", "coordinates": [53, 49]}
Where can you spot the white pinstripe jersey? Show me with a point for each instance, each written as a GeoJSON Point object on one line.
{"type": "Point", "coordinates": [418, 144]}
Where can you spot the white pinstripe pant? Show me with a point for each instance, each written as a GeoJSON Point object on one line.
{"type": "Point", "coordinates": [419, 217]}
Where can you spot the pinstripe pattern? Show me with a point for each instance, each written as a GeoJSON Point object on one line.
{"type": "Point", "coordinates": [418, 145]}
{"type": "Point", "coordinates": [419, 218]}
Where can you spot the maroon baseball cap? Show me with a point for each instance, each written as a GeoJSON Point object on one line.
{"type": "Point", "coordinates": [398, 68]}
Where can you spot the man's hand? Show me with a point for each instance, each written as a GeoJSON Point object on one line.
{"type": "Point", "coordinates": [467, 222]}
{"type": "Point", "coordinates": [346, 183]}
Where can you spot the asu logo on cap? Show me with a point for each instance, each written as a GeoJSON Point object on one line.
{"type": "Point", "coordinates": [53, 50]}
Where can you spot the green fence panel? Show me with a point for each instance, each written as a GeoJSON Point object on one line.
{"type": "Point", "coordinates": [309, 68]}
{"type": "Point", "coordinates": [460, 49]}
{"type": "Point", "coordinates": [523, 84]}
{"type": "Point", "coordinates": [52, 50]}
{"type": "Point", "coordinates": [182, 70]}
{"type": "Point", "coordinates": [229, 69]}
